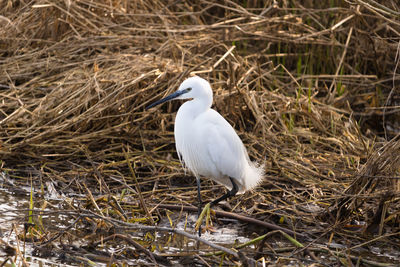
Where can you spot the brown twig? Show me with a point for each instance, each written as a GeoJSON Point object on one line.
{"type": "Point", "coordinates": [231, 215]}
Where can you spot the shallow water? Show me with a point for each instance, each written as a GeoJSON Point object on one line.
{"type": "Point", "coordinates": [229, 233]}
{"type": "Point", "coordinates": [14, 214]}
{"type": "Point", "coordinates": [13, 211]}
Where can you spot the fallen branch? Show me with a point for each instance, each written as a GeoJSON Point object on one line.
{"type": "Point", "coordinates": [135, 226]}
{"type": "Point", "coordinates": [236, 216]}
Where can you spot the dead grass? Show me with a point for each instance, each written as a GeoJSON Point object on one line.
{"type": "Point", "coordinates": [311, 90]}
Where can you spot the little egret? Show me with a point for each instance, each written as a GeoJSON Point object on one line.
{"type": "Point", "coordinates": [208, 145]}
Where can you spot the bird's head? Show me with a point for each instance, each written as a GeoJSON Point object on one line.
{"type": "Point", "coordinates": [192, 88]}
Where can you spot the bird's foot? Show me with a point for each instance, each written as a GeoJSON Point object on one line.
{"type": "Point", "coordinates": [206, 212]}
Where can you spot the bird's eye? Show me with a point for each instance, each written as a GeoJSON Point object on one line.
{"type": "Point", "coordinates": [188, 89]}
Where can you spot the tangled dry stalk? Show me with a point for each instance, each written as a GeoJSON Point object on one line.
{"type": "Point", "coordinates": [312, 90]}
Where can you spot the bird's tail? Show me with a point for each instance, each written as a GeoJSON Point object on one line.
{"type": "Point", "coordinates": [254, 175]}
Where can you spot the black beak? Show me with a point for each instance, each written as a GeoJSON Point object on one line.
{"type": "Point", "coordinates": [170, 97]}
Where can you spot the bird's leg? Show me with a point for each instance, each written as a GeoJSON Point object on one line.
{"type": "Point", "coordinates": [206, 210]}
{"type": "Point", "coordinates": [199, 202]}
{"type": "Point", "coordinates": [230, 193]}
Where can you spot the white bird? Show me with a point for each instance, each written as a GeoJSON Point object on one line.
{"type": "Point", "coordinates": [207, 144]}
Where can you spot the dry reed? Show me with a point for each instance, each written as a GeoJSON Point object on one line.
{"type": "Point", "coordinates": [312, 90]}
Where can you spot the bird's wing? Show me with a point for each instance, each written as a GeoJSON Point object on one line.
{"type": "Point", "coordinates": [223, 145]}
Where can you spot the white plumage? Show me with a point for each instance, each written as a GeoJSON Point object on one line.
{"type": "Point", "coordinates": [207, 143]}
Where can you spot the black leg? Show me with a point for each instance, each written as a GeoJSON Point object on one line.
{"type": "Point", "coordinates": [230, 193]}
{"type": "Point", "coordinates": [199, 201]}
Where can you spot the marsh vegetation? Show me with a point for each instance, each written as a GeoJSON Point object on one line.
{"type": "Point", "coordinates": [311, 87]}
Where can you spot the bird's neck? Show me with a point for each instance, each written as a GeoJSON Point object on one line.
{"type": "Point", "coordinates": [195, 107]}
